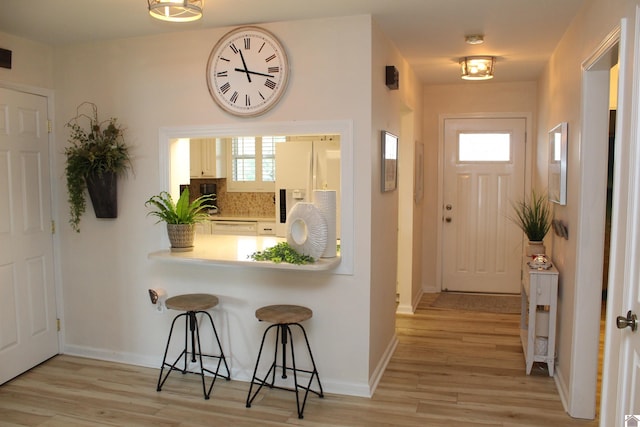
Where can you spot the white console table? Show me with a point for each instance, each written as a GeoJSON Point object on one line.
{"type": "Point", "coordinates": [538, 316]}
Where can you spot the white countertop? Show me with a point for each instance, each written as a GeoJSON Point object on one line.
{"type": "Point", "coordinates": [234, 251]}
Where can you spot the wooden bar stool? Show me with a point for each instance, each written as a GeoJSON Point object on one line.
{"type": "Point", "coordinates": [191, 305]}
{"type": "Point", "coordinates": [283, 317]}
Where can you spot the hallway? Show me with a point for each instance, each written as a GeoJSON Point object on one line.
{"type": "Point", "coordinates": [450, 368]}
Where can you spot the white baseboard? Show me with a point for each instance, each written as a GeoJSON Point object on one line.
{"type": "Point", "coordinates": [563, 391]}
{"type": "Point", "coordinates": [329, 385]}
{"type": "Point", "coordinates": [382, 366]}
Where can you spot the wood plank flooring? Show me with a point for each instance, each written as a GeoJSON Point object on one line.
{"type": "Point", "coordinates": [450, 368]}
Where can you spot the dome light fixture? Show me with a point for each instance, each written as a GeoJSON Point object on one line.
{"type": "Point", "coordinates": [176, 10]}
{"type": "Point", "coordinates": [477, 67]}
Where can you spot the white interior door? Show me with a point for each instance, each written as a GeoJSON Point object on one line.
{"type": "Point", "coordinates": [484, 165]}
{"type": "Point", "coordinates": [28, 327]}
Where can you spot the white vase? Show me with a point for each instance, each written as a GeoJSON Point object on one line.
{"type": "Point", "coordinates": [535, 248]}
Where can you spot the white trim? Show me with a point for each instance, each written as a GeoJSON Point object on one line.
{"type": "Point", "coordinates": [347, 164]}
{"type": "Point", "coordinates": [589, 230]}
{"type": "Point", "coordinates": [375, 377]}
{"type": "Point", "coordinates": [135, 359]}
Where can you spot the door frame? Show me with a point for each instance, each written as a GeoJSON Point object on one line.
{"type": "Point", "coordinates": [53, 172]}
{"type": "Point", "coordinates": [626, 178]}
{"type": "Point", "coordinates": [527, 168]}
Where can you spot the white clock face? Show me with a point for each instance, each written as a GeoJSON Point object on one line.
{"type": "Point", "coordinates": [247, 72]}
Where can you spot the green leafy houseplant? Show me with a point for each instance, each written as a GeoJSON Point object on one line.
{"type": "Point", "coordinates": [180, 217]}
{"type": "Point", "coordinates": [282, 252]}
{"type": "Point", "coordinates": [182, 212]}
{"type": "Point", "coordinates": [533, 216]}
{"type": "Point", "coordinates": [97, 150]}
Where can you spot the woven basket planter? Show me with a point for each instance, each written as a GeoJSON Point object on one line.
{"type": "Point", "coordinates": [181, 237]}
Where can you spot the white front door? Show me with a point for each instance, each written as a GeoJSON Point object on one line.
{"type": "Point", "coordinates": [28, 327]}
{"type": "Point", "coordinates": [484, 164]}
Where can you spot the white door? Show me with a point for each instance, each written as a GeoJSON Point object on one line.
{"type": "Point", "coordinates": [484, 164]}
{"type": "Point", "coordinates": [28, 327]}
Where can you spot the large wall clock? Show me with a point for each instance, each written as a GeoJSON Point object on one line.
{"type": "Point", "coordinates": [247, 71]}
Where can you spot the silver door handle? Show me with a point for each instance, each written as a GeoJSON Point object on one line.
{"type": "Point", "coordinates": [630, 321]}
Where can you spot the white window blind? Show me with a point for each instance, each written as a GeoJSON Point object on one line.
{"type": "Point", "coordinates": [253, 163]}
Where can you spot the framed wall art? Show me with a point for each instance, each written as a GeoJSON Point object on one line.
{"type": "Point", "coordinates": [558, 164]}
{"type": "Point", "coordinates": [389, 161]}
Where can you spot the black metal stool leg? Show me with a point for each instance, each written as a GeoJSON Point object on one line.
{"type": "Point", "coordinates": [284, 335]}
{"type": "Point", "coordinates": [192, 334]}
{"type": "Point", "coordinates": [254, 378]}
{"type": "Point", "coordinates": [161, 380]}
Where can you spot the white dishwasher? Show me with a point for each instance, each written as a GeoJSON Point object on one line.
{"type": "Point", "coordinates": [235, 228]}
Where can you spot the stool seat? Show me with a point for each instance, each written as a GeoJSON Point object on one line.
{"type": "Point", "coordinates": [283, 314]}
{"type": "Point", "coordinates": [192, 302]}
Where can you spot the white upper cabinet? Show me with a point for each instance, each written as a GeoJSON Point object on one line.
{"type": "Point", "coordinates": [207, 158]}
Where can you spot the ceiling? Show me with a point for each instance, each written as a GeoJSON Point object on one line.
{"type": "Point", "coordinates": [428, 33]}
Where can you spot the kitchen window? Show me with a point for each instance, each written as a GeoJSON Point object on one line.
{"type": "Point", "coordinates": [253, 163]}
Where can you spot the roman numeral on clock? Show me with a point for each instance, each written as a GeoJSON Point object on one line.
{"type": "Point", "coordinates": [272, 70]}
{"type": "Point", "coordinates": [247, 43]}
{"type": "Point", "coordinates": [222, 74]}
{"type": "Point", "coordinates": [234, 97]}
{"type": "Point", "coordinates": [270, 58]}
{"type": "Point", "coordinates": [225, 88]}
{"type": "Point", "coordinates": [233, 48]}
{"type": "Point", "coordinates": [247, 100]}
{"type": "Point", "coordinates": [270, 84]}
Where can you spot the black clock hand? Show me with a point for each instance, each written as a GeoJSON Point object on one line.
{"type": "Point", "coordinates": [253, 72]}
{"type": "Point", "coordinates": [246, 70]}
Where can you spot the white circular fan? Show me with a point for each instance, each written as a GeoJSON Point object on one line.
{"type": "Point", "coordinates": [307, 230]}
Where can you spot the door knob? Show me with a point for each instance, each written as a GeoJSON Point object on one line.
{"type": "Point", "coordinates": [448, 219]}
{"type": "Point", "coordinates": [448, 207]}
{"type": "Point", "coordinates": [630, 321]}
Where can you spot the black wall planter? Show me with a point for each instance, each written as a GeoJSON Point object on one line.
{"type": "Point", "coordinates": [103, 191]}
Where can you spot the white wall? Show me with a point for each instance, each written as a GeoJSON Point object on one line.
{"type": "Point", "coordinates": [159, 81]}
{"type": "Point", "coordinates": [463, 98]}
{"type": "Point", "coordinates": [386, 106]}
{"type": "Point", "coordinates": [561, 100]}
{"type": "Point", "coordinates": [32, 62]}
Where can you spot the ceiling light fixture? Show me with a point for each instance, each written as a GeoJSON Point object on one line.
{"type": "Point", "coordinates": [477, 67]}
{"type": "Point", "coordinates": [176, 10]}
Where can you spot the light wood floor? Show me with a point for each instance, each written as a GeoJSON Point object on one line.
{"type": "Point", "coordinates": [450, 368]}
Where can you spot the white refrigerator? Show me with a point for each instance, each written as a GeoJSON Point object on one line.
{"type": "Point", "coordinates": [301, 167]}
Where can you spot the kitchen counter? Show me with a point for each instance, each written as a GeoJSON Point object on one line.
{"type": "Point", "coordinates": [234, 251]}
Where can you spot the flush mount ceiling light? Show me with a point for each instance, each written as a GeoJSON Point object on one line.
{"type": "Point", "coordinates": [176, 10]}
{"type": "Point", "coordinates": [477, 67]}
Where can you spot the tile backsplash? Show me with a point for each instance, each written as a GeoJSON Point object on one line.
{"type": "Point", "coordinates": [235, 203]}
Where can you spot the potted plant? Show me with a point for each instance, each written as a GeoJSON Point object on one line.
{"type": "Point", "coordinates": [97, 155]}
{"type": "Point", "coordinates": [533, 216]}
{"type": "Point", "coordinates": [180, 217]}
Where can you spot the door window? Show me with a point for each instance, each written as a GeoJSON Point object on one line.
{"type": "Point", "coordinates": [484, 147]}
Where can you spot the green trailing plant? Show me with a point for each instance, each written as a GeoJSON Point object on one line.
{"type": "Point", "coordinates": [282, 252]}
{"type": "Point", "coordinates": [533, 216]}
{"type": "Point", "coordinates": [181, 212]}
{"type": "Point", "coordinates": [96, 147]}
